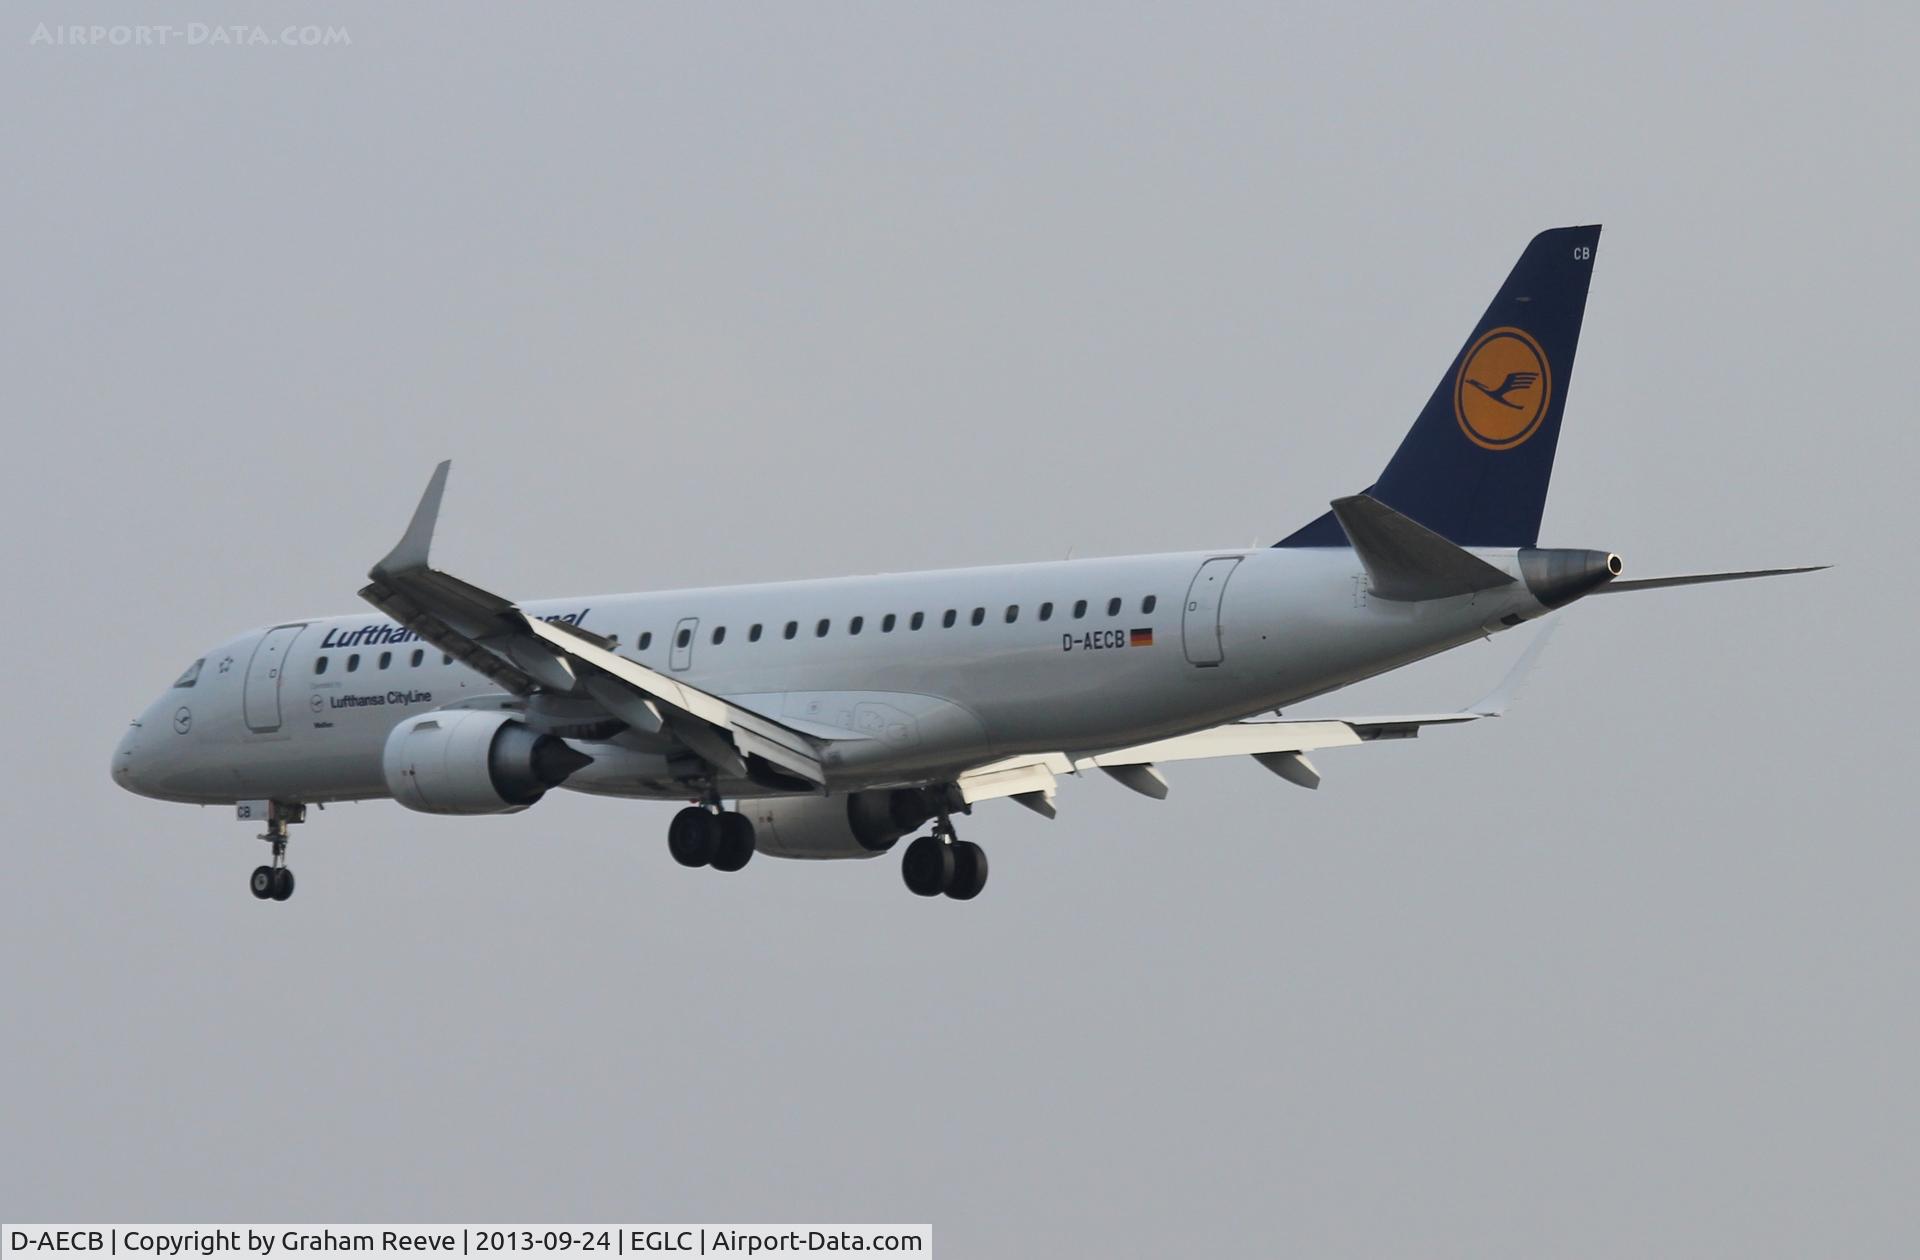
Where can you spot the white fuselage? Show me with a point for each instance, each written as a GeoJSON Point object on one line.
{"type": "Point", "coordinates": [913, 676]}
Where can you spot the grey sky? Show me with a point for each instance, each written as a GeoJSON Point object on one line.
{"type": "Point", "coordinates": [706, 295]}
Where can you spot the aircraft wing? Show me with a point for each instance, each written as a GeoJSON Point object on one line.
{"type": "Point", "coordinates": [526, 655]}
{"type": "Point", "coordinates": [1276, 743]}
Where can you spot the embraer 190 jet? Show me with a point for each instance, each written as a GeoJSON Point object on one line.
{"type": "Point", "coordinates": [841, 716]}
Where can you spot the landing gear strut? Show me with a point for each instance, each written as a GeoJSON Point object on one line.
{"type": "Point", "coordinates": [275, 882]}
{"type": "Point", "coordinates": [944, 863]}
{"type": "Point", "coordinates": [707, 835]}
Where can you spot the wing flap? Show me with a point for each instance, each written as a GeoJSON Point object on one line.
{"type": "Point", "coordinates": [1276, 743]}
{"type": "Point", "coordinates": [1236, 739]}
{"type": "Point", "coordinates": [1016, 776]}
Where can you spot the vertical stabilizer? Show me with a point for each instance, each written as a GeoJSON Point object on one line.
{"type": "Point", "coordinates": [1474, 467]}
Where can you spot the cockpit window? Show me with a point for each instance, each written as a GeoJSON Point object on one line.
{"type": "Point", "coordinates": [192, 675]}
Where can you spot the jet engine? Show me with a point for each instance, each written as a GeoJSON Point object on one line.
{"type": "Point", "coordinates": [473, 761]}
{"type": "Point", "coordinates": [857, 825]}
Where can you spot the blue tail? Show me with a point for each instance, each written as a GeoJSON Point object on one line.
{"type": "Point", "coordinates": [1475, 465]}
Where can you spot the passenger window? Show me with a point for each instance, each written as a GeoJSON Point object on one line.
{"type": "Point", "coordinates": [1146, 605]}
{"type": "Point", "coordinates": [886, 624]}
{"type": "Point", "coordinates": [947, 621]}
{"type": "Point", "coordinates": [1079, 609]}
{"type": "Point", "coordinates": [820, 630]}
{"type": "Point", "coordinates": [1046, 611]}
{"type": "Point", "coordinates": [979, 615]}
{"type": "Point", "coordinates": [1013, 613]}
{"type": "Point", "coordinates": [683, 638]}
{"type": "Point", "coordinates": [919, 619]}
{"type": "Point", "coordinates": [319, 664]}
{"type": "Point", "coordinates": [719, 634]}
{"type": "Point", "coordinates": [418, 656]}
{"type": "Point", "coordinates": [646, 639]}
{"type": "Point", "coordinates": [793, 628]}
{"type": "Point", "coordinates": [386, 659]}
{"type": "Point", "coordinates": [753, 635]}
{"type": "Point", "coordinates": [853, 627]}
{"type": "Point", "coordinates": [353, 662]}
{"type": "Point", "coordinates": [1113, 606]}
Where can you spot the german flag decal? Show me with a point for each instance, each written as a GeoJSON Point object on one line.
{"type": "Point", "coordinates": [1140, 638]}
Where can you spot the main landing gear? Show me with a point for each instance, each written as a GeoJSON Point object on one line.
{"type": "Point", "coordinates": [706, 835]}
{"type": "Point", "coordinates": [275, 882]}
{"type": "Point", "coordinates": [944, 863]}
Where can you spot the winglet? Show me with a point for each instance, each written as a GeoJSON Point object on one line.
{"type": "Point", "coordinates": [1495, 702]}
{"type": "Point", "coordinates": [411, 551]}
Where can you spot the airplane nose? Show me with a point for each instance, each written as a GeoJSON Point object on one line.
{"type": "Point", "coordinates": [125, 759]}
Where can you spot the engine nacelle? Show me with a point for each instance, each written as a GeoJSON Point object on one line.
{"type": "Point", "coordinates": [473, 761]}
{"type": "Point", "coordinates": [857, 825]}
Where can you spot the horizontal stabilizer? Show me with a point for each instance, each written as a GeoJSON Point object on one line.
{"type": "Point", "coordinates": [1695, 579]}
{"type": "Point", "coordinates": [1407, 561]}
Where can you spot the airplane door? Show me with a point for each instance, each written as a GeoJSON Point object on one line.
{"type": "Point", "coordinates": [261, 691]}
{"type": "Point", "coordinates": [682, 654]}
{"type": "Point", "coordinates": [1200, 621]}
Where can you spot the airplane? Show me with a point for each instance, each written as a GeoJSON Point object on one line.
{"type": "Point", "coordinates": [830, 719]}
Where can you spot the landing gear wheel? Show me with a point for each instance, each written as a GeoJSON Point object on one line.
{"type": "Point", "coordinates": [969, 870]}
{"type": "Point", "coordinates": [735, 849]}
{"type": "Point", "coordinates": [275, 882]}
{"type": "Point", "coordinates": [928, 866]}
{"type": "Point", "coordinates": [693, 836]}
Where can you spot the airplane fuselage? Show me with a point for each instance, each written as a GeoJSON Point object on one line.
{"type": "Point", "coordinates": [912, 676]}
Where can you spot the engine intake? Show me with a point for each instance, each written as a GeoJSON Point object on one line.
{"type": "Point", "coordinates": [474, 761]}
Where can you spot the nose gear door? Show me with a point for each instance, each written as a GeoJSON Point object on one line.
{"type": "Point", "coordinates": [1200, 621]}
{"type": "Point", "coordinates": [261, 691]}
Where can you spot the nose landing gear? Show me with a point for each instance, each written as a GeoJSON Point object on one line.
{"type": "Point", "coordinates": [275, 882]}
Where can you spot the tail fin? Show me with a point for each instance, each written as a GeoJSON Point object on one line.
{"type": "Point", "coordinates": [1475, 465]}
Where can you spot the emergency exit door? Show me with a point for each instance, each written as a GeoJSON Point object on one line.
{"type": "Point", "coordinates": [681, 655]}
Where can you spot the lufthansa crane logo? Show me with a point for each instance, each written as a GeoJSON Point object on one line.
{"type": "Point", "coordinates": [1503, 389]}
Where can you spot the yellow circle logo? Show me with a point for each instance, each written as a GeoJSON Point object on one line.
{"type": "Point", "coordinates": [1503, 388]}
